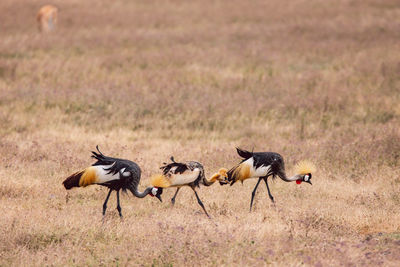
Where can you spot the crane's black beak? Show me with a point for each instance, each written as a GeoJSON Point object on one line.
{"type": "Point", "coordinates": [224, 182]}
{"type": "Point", "coordinates": [309, 181]}
{"type": "Point", "coordinates": [159, 192]}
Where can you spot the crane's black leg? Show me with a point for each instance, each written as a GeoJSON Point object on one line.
{"type": "Point", "coordinates": [173, 198]}
{"type": "Point", "coordinates": [200, 203]}
{"type": "Point", "coordinates": [254, 192]}
{"type": "Point", "coordinates": [105, 203]}
{"type": "Point", "coordinates": [118, 205]}
{"type": "Point", "coordinates": [269, 192]}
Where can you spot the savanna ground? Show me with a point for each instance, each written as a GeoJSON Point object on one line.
{"type": "Point", "coordinates": [145, 80]}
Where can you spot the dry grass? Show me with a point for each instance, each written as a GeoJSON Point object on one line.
{"type": "Point", "coordinates": [149, 79]}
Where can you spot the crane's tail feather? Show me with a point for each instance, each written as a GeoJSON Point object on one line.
{"type": "Point", "coordinates": [98, 156]}
{"type": "Point", "coordinates": [82, 178]}
{"type": "Point", "coordinates": [73, 180]}
{"type": "Point", "coordinates": [244, 153]}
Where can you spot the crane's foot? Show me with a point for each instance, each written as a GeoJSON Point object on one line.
{"type": "Point", "coordinates": [119, 212]}
{"type": "Point", "coordinates": [273, 202]}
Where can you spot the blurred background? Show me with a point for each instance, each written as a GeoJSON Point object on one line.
{"type": "Point", "coordinates": [145, 80]}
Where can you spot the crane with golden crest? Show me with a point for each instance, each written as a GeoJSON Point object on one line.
{"type": "Point", "coordinates": [191, 173]}
{"type": "Point", "coordinates": [263, 165]}
{"type": "Point", "coordinates": [114, 173]}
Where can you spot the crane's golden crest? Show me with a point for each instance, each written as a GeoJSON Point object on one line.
{"type": "Point", "coordinates": [223, 172]}
{"type": "Point", "coordinates": [221, 175]}
{"type": "Point", "coordinates": [160, 180]}
{"type": "Point", "coordinates": [304, 167]}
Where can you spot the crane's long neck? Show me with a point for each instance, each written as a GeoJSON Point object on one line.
{"type": "Point", "coordinates": [212, 180]}
{"type": "Point", "coordinates": [134, 189]}
{"type": "Point", "coordinates": [138, 194]}
{"type": "Point", "coordinates": [283, 176]}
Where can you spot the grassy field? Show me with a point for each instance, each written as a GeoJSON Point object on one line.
{"type": "Point", "coordinates": [317, 80]}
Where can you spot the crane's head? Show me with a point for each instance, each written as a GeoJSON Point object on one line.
{"type": "Point", "coordinates": [158, 182]}
{"type": "Point", "coordinates": [221, 176]}
{"type": "Point", "coordinates": [304, 178]}
{"type": "Point", "coordinates": [156, 192]}
{"type": "Point", "coordinates": [304, 170]}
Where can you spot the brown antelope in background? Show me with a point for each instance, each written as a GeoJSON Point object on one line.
{"type": "Point", "coordinates": [47, 18]}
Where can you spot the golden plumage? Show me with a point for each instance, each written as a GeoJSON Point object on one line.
{"type": "Point", "coordinates": [242, 172]}
{"type": "Point", "coordinates": [214, 178]}
{"type": "Point", "coordinates": [221, 175]}
{"type": "Point", "coordinates": [160, 180]}
{"type": "Point", "coordinates": [304, 167]}
{"type": "Point", "coordinates": [223, 172]}
{"type": "Point", "coordinates": [88, 177]}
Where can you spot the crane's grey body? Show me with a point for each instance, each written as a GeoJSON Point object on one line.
{"type": "Point", "coordinates": [261, 165]}
{"type": "Point", "coordinates": [114, 173]}
{"type": "Point", "coordinates": [177, 168]}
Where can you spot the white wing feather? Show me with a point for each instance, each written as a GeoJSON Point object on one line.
{"type": "Point", "coordinates": [257, 172]}
{"type": "Point", "coordinates": [186, 177]}
{"type": "Point", "coordinates": [103, 176]}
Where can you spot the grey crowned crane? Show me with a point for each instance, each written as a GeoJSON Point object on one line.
{"type": "Point", "coordinates": [114, 173]}
{"type": "Point", "coordinates": [191, 173]}
{"type": "Point", "coordinates": [262, 165]}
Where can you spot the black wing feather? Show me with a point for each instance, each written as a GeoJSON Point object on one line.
{"type": "Point", "coordinates": [264, 159]}
{"type": "Point", "coordinates": [273, 159]}
{"type": "Point", "coordinates": [180, 167]}
{"type": "Point", "coordinates": [117, 164]}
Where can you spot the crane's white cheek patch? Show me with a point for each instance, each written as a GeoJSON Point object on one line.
{"type": "Point", "coordinates": [154, 191]}
{"type": "Point", "coordinates": [306, 178]}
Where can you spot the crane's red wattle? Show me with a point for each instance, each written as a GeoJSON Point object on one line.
{"type": "Point", "coordinates": [298, 181]}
